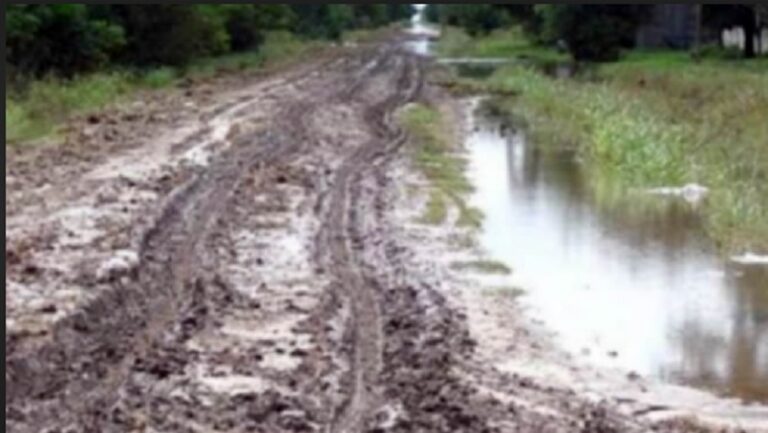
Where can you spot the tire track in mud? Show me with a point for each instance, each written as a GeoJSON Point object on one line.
{"type": "Point", "coordinates": [73, 379]}
{"type": "Point", "coordinates": [405, 339]}
{"type": "Point", "coordinates": [337, 244]}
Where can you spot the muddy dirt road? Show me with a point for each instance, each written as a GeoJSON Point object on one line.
{"type": "Point", "coordinates": [230, 257]}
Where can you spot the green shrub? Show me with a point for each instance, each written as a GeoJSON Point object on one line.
{"type": "Point", "coordinates": [171, 34]}
{"type": "Point", "coordinates": [18, 123]}
{"type": "Point", "coordinates": [61, 38]}
{"type": "Point", "coordinates": [507, 43]}
{"type": "Point", "coordinates": [160, 77]}
{"type": "Point", "coordinates": [714, 51]}
{"type": "Point", "coordinates": [592, 32]}
{"type": "Point", "coordinates": [48, 102]}
{"type": "Point", "coordinates": [281, 45]}
{"type": "Point", "coordinates": [58, 99]}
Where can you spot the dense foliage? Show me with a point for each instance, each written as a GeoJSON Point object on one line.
{"type": "Point", "coordinates": [67, 39]}
{"type": "Point", "coordinates": [475, 18]}
{"type": "Point", "coordinates": [589, 31]}
{"type": "Point", "coordinates": [59, 37]}
{"type": "Point", "coordinates": [592, 32]}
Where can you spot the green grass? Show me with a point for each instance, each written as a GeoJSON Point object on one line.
{"type": "Point", "coordinates": [483, 266]}
{"type": "Point", "coordinates": [660, 118]}
{"type": "Point", "coordinates": [436, 210]}
{"type": "Point", "coordinates": [360, 35]}
{"type": "Point", "coordinates": [47, 103]}
{"type": "Point", "coordinates": [668, 59]}
{"type": "Point", "coordinates": [507, 43]}
{"type": "Point", "coordinates": [437, 157]}
{"type": "Point", "coordinates": [468, 216]}
{"type": "Point", "coordinates": [159, 78]}
{"type": "Point", "coordinates": [277, 48]}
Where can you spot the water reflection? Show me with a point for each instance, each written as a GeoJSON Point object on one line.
{"type": "Point", "coordinates": [628, 280]}
{"type": "Point", "coordinates": [422, 33]}
{"type": "Point", "coordinates": [420, 46]}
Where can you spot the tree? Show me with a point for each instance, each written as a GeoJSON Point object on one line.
{"type": "Point", "coordinates": [170, 34]}
{"type": "Point", "coordinates": [432, 13]}
{"type": "Point", "coordinates": [525, 16]}
{"type": "Point", "coordinates": [67, 39]}
{"type": "Point", "coordinates": [63, 38]}
{"type": "Point", "coordinates": [476, 19]}
{"type": "Point", "coordinates": [399, 11]}
{"type": "Point", "coordinates": [761, 11]}
{"type": "Point", "coordinates": [592, 32]}
{"type": "Point", "coordinates": [247, 24]}
{"type": "Point", "coordinates": [323, 20]}
{"type": "Point", "coordinates": [371, 15]}
{"type": "Point", "coordinates": [749, 17]}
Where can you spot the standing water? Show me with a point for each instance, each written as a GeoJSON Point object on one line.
{"type": "Point", "coordinates": [631, 283]}
{"type": "Point", "coordinates": [423, 33]}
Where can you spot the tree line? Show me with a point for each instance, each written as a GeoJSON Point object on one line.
{"type": "Point", "coordinates": [591, 32]}
{"type": "Point", "coordinates": [68, 39]}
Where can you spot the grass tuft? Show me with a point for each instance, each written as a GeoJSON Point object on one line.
{"type": "Point", "coordinates": [436, 210]}
{"type": "Point", "coordinates": [435, 156]}
{"type": "Point", "coordinates": [483, 266]}
{"type": "Point", "coordinates": [158, 78]}
{"type": "Point", "coordinates": [48, 102]}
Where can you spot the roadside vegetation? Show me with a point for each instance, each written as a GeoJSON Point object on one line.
{"type": "Point", "coordinates": [69, 59]}
{"type": "Point", "coordinates": [645, 126]}
{"type": "Point", "coordinates": [436, 156]}
{"type": "Point", "coordinates": [649, 119]}
{"type": "Point", "coordinates": [46, 103]}
{"type": "Point", "coordinates": [588, 32]}
{"type": "Point", "coordinates": [498, 44]}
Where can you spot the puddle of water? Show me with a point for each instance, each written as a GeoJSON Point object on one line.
{"type": "Point", "coordinates": [629, 282]}
{"type": "Point", "coordinates": [423, 34]}
{"type": "Point", "coordinates": [420, 46]}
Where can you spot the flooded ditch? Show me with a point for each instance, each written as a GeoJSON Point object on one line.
{"type": "Point", "coordinates": [628, 280]}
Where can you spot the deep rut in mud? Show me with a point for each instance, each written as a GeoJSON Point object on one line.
{"type": "Point", "coordinates": [339, 238]}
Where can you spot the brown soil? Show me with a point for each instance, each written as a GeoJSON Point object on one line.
{"type": "Point", "coordinates": [227, 257]}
